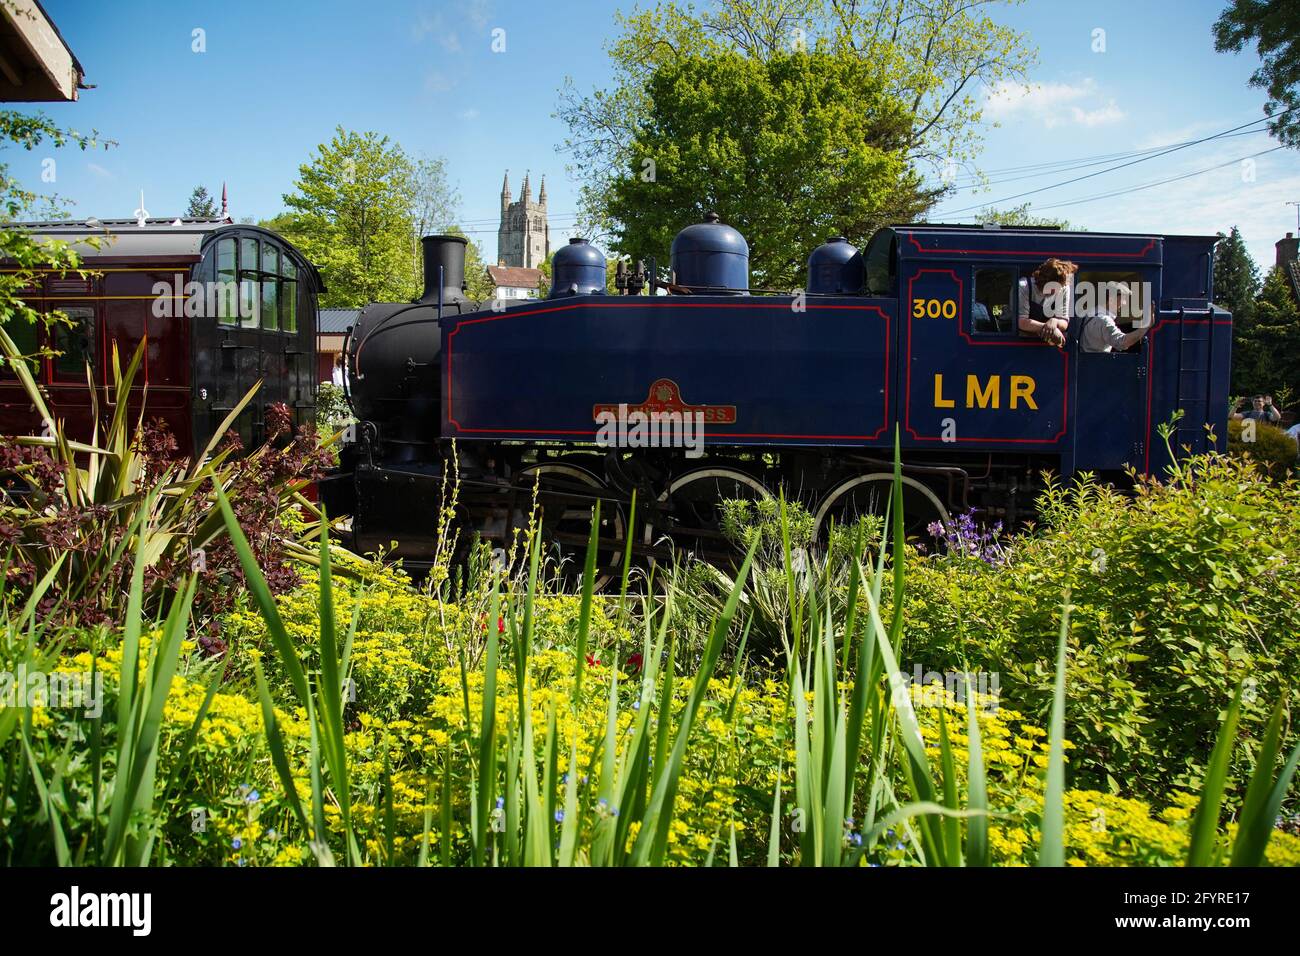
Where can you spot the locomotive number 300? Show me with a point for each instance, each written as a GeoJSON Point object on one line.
{"type": "Point", "coordinates": [934, 308]}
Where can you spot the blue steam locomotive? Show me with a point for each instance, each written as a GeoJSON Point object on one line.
{"type": "Point", "coordinates": [705, 389]}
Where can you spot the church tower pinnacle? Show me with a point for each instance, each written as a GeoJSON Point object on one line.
{"type": "Point", "coordinates": [524, 236]}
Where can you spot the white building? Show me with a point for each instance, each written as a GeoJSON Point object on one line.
{"type": "Point", "coordinates": [514, 282]}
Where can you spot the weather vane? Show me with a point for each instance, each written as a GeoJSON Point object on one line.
{"type": "Point", "coordinates": [141, 214]}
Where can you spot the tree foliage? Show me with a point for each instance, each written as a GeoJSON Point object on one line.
{"type": "Point", "coordinates": [202, 205]}
{"type": "Point", "coordinates": [919, 63]}
{"type": "Point", "coordinates": [350, 214]}
{"type": "Point", "coordinates": [358, 210]}
{"type": "Point", "coordinates": [27, 257]}
{"type": "Point", "coordinates": [1274, 26]}
{"type": "Point", "coordinates": [789, 149]}
{"type": "Point", "coordinates": [1236, 277]}
{"type": "Point", "coordinates": [1020, 216]}
{"type": "Point", "coordinates": [1266, 345]}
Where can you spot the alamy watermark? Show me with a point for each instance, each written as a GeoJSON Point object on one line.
{"type": "Point", "coordinates": [624, 427]}
{"type": "Point", "coordinates": [663, 420]}
{"type": "Point", "coordinates": [196, 300]}
{"type": "Point", "coordinates": [935, 689]}
{"type": "Point", "coordinates": [1123, 301]}
{"type": "Point", "coordinates": [60, 690]}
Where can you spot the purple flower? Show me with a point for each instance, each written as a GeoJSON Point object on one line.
{"type": "Point", "coordinates": [962, 537]}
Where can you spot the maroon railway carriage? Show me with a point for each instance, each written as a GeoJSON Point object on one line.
{"type": "Point", "coordinates": [220, 305]}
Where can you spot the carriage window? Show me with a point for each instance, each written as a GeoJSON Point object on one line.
{"type": "Point", "coordinates": [249, 296]}
{"type": "Point", "coordinates": [75, 342]}
{"type": "Point", "coordinates": [227, 303]}
{"type": "Point", "coordinates": [994, 310]}
{"type": "Point", "coordinates": [288, 294]}
{"type": "Point", "coordinates": [270, 287]}
{"type": "Point", "coordinates": [26, 338]}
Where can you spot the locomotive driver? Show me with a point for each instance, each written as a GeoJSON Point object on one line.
{"type": "Point", "coordinates": [1045, 299]}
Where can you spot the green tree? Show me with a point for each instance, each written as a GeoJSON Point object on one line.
{"type": "Point", "coordinates": [922, 62]}
{"type": "Point", "coordinates": [789, 149]}
{"type": "Point", "coordinates": [27, 259]}
{"type": "Point", "coordinates": [350, 213]}
{"type": "Point", "coordinates": [1274, 25]}
{"type": "Point", "coordinates": [1236, 277]}
{"type": "Point", "coordinates": [201, 204]}
{"type": "Point", "coordinates": [1266, 346]}
{"type": "Point", "coordinates": [1020, 216]}
{"type": "Point", "coordinates": [433, 205]}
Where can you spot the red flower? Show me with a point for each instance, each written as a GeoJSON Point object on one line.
{"type": "Point", "coordinates": [501, 624]}
{"type": "Point", "coordinates": [634, 662]}
{"type": "Point", "coordinates": [592, 662]}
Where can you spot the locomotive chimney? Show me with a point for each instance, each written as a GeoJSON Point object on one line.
{"type": "Point", "coordinates": [449, 253]}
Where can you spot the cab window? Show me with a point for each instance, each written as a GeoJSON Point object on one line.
{"type": "Point", "coordinates": [993, 311]}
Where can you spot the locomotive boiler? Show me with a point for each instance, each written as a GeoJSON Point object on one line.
{"type": "Point", "coordinates": [914, 335]}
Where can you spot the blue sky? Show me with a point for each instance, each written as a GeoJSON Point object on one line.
{"type": "Point", "coordinates": [277, 77]}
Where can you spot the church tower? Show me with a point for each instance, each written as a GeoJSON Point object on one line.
{"type": "Point", "coordinates": [524, 236]}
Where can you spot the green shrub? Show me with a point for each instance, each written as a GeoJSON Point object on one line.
{"type": "Point", "coordinates": [1179, 593]}
{"type": "Point", "coordinates": [1273, 449]}
{"type": "Point", "coordinates": [332, 408]}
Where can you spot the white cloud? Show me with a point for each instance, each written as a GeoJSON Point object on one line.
{"type": "Point", "coordinates": [469, 114]}
{"type": "Point", "coordinates": [1049, 104]}
{"type": "Point", "coordinates": [474, 13]}
{"type": "Point", "coordinates": [477, 12]}
{"type": "Point", "coordinates": [437, 82]}
{"type": "Point", "coordinates": [99, 171]}
{"type": "Point", "coordinates": [426, 24]}
{"type": "Point", "coordinates": [1110, 113]}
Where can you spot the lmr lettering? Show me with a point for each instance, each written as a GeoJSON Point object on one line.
{"type": "Point", "coordinates": [987, 393]}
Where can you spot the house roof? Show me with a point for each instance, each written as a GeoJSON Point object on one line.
{"type": "Point", "coordinates": [36, 63]}
{"type": "Point", "coordinates": [1292, 269]}
{"type": "Point", "coordinates": [515, 277]}
{"type": "Point", "coordinates": [335, 321]}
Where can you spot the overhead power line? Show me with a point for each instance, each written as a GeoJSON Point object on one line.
{"type": "Point", "coordinates": [1161, 182]}
{"type": "Point", "coordinates": [1111, 169]}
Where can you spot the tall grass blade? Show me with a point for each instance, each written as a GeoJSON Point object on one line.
{"type": "Point", "coordinates": [1051, 849]}
{"type": "Point", "coordinates": [1205, 823]}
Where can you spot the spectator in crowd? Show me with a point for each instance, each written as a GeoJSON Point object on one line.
{"type": "Point", "coordinates": [1100, 331]}
{"type": "Point", "coordinates": [1045, 299]}
{"type": "Point", "coordinates": [1262, 410]}
{"type": "Point", "coordinates": [336, 377]}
